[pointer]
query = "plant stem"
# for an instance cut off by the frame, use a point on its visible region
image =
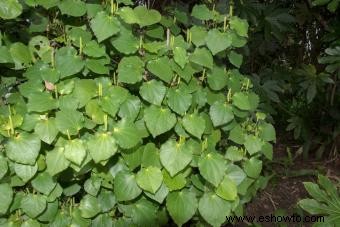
(10, 120)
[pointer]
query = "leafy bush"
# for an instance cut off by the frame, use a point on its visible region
(325, 201)
(114, 114)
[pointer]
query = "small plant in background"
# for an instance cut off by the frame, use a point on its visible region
(325, 201)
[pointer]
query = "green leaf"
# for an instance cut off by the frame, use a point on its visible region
(41, 102)
(10, 9)
(179, 100)
(102, 146)
(227, 189)
(267, 132)
(241, 101)
(253, 144)
(235, 58)
(160, 195)
(93, 49)
(24, 148)
(239, 25)
(56, 161)
(175, 156)
(69, 121)
(212, 167)
(50, 212)
(111, 102)
(130, 70)
(203, 57)
(43, 183)
(217, 41)
(46, 130)
(149, 179)
(237, 135)
(142, 213)
(202, 12)
(194, 124)
(75, 151)
(253, 167)
(6, 197)
(125, 42)
(89, 206)
(214, 209)
(67, 62)
(125, 186)
(180, 56)
(92, 185)
(181, 206)
(104, 26)
(312, 206)
(98, 66)
(140, 15)
(198, 35)
(106, 200)
(234, 154)
(174, 183)
(126, 134)
(217, 78)
(151, 156)
(3, 167)
(159, 120)
(221, 113)
(33, 205)
(25, 172)
(75, 8)
(95, 112)
(20, 54)
(153, 91)
(130, 108)
(160, 67)
(84, 91)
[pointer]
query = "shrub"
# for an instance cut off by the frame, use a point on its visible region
(114, 114)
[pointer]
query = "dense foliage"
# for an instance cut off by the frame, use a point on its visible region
(117, 114)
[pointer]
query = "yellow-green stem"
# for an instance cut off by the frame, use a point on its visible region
(68, 135)
(10, 120)
(105, 122)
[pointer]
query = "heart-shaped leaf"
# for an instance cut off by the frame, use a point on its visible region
(104, 26)
(10, 9)
(214, 209)
(75, 151)
(218, 41)
(33, 205)
(194, 124)
(221, 113)
(161, 68)
(153, 91)
(179, 100)
(159, 120)
(150, 179)
(175, 156)
(46, 130)
(56, 161)
(125, 186)
(182, 206)
(212, 167)
(130, 70)
(24, 148)
(126, 134)
(203, 57)
(102, 146)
